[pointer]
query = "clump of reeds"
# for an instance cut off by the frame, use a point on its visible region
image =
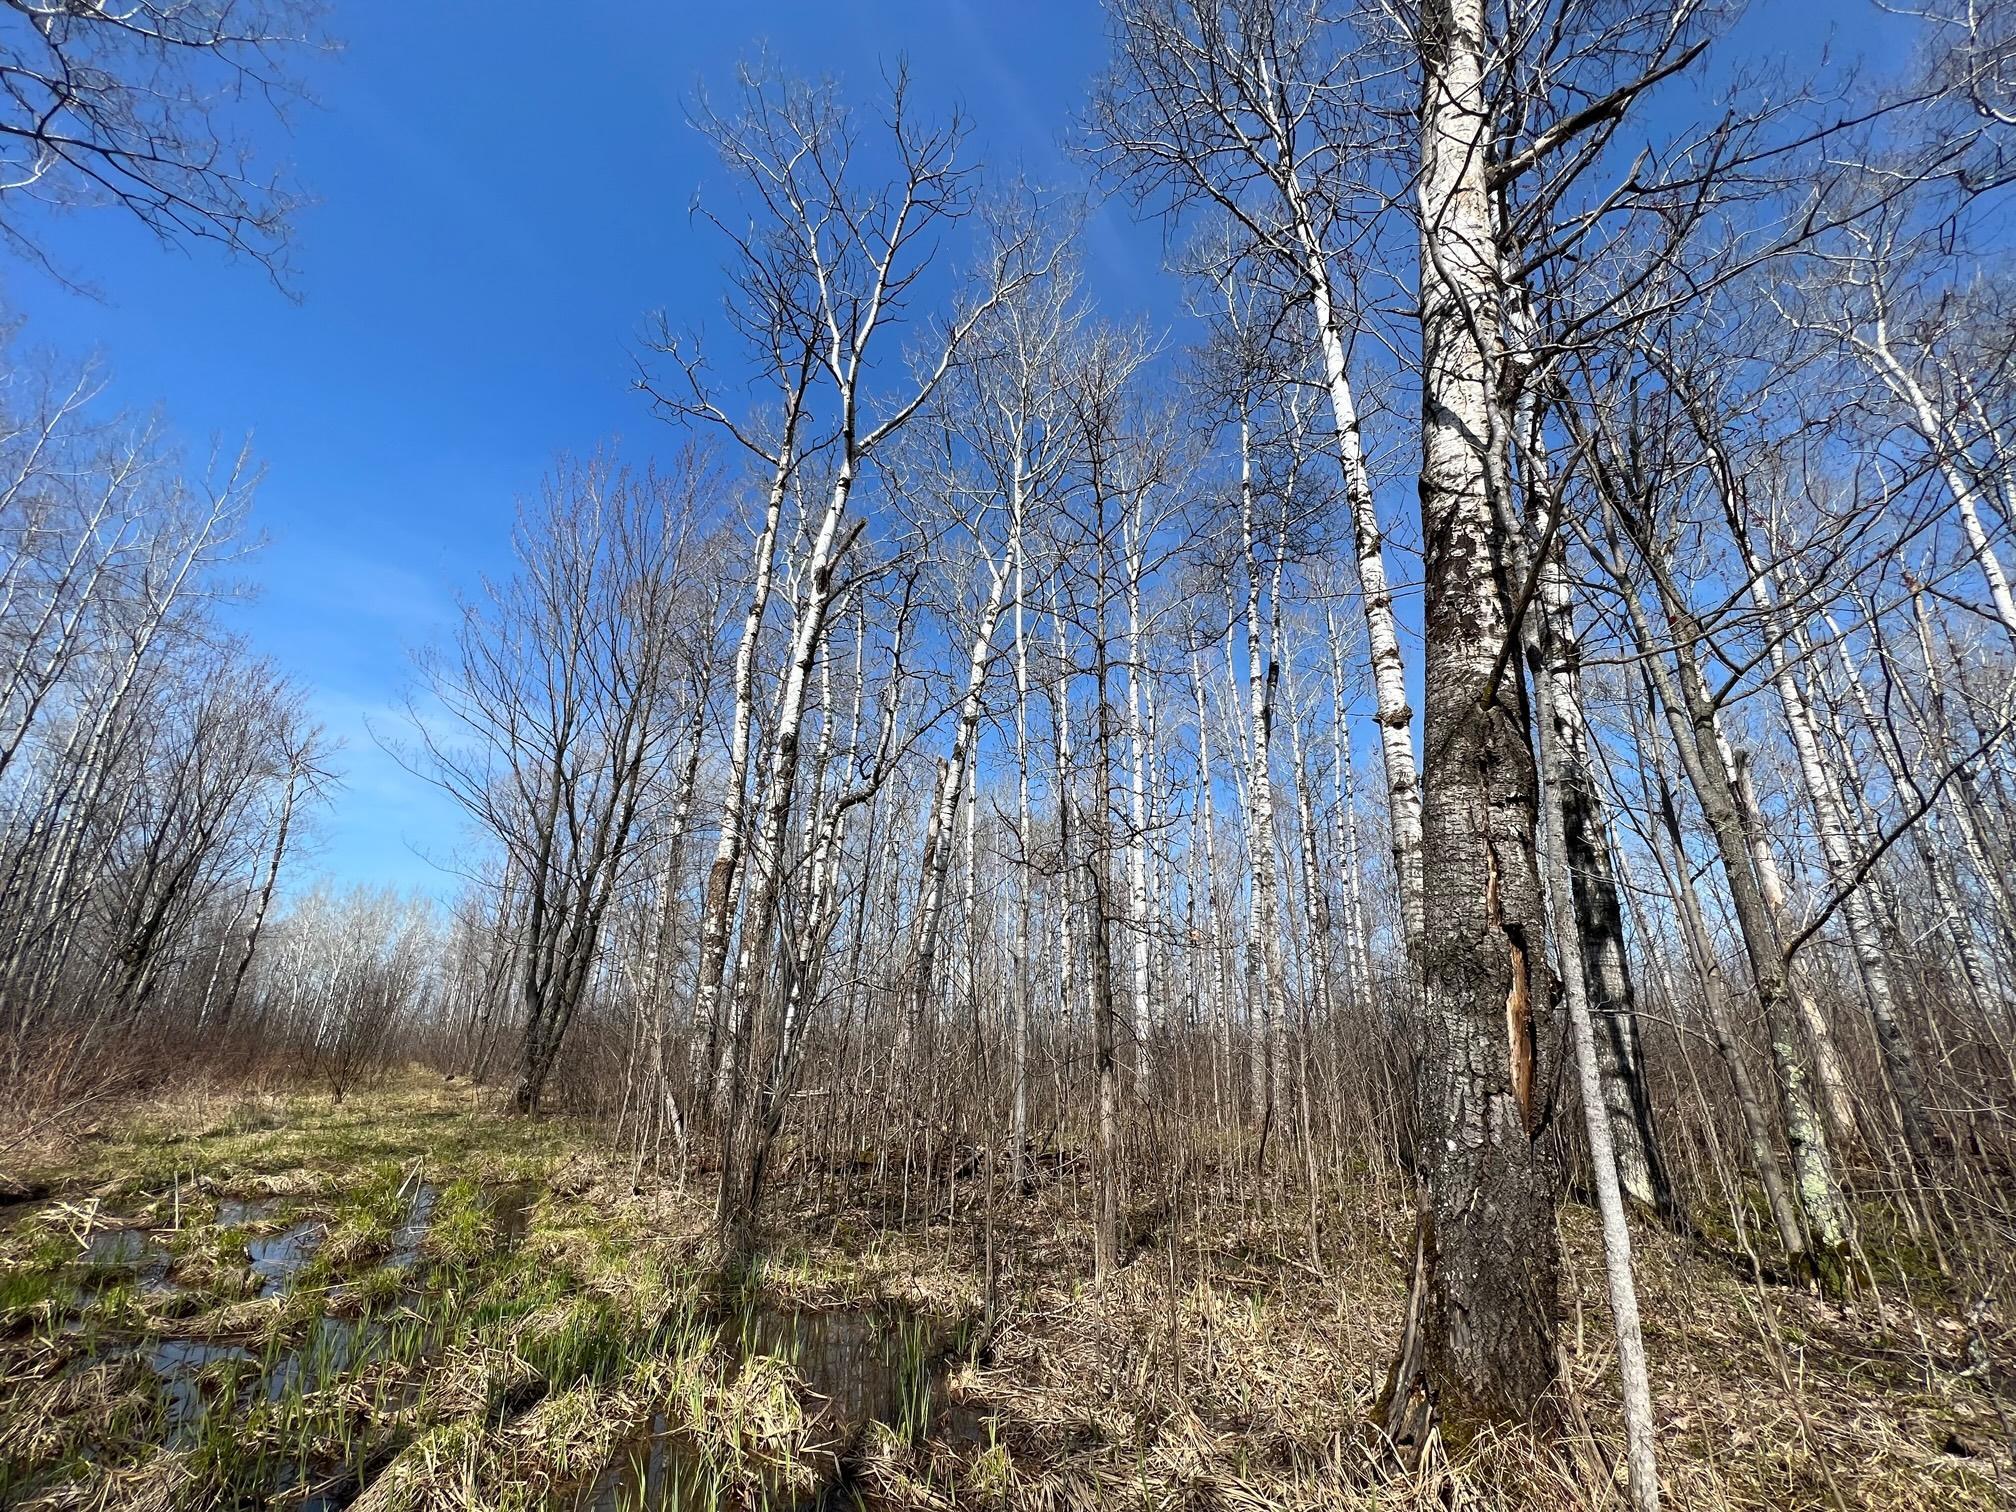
(167, 1480)
(249, 1317)
(55, 1413)
(750, 1427)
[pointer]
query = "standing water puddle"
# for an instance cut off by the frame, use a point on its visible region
(115, 1247)
(412, 1232)
(129, 1249)
(511, 1211)
(856, 1367)
(866, 1366)
(334, 1346)
(180, 1363)
(276, 1257)
(233, 1211)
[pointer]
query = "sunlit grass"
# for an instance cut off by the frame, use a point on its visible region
(402, 1293)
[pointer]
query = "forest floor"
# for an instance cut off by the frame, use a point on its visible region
(408, 1300)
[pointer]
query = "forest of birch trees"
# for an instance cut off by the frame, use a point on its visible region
(1513, 692)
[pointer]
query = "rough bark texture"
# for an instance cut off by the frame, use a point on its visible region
(1492, 1263)
(1599, 922)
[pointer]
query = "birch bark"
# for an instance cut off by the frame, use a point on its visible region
(1492, 1266)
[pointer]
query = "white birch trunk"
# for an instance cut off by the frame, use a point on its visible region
(1137, 809)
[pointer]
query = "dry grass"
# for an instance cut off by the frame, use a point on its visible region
(466, 1463)
(753, 1431)
(1245, 1378)
(1220, 1367)
(748, 1425)
(165, 1482)
(512, 1373)
(63, 1408)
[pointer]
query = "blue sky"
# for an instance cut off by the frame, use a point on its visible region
(503, 192)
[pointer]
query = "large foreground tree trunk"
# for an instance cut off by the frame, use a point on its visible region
(1492, 1267)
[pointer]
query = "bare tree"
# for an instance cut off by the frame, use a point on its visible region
(137, 107)
(1252, 109)
(554, 710)
(836, 257)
